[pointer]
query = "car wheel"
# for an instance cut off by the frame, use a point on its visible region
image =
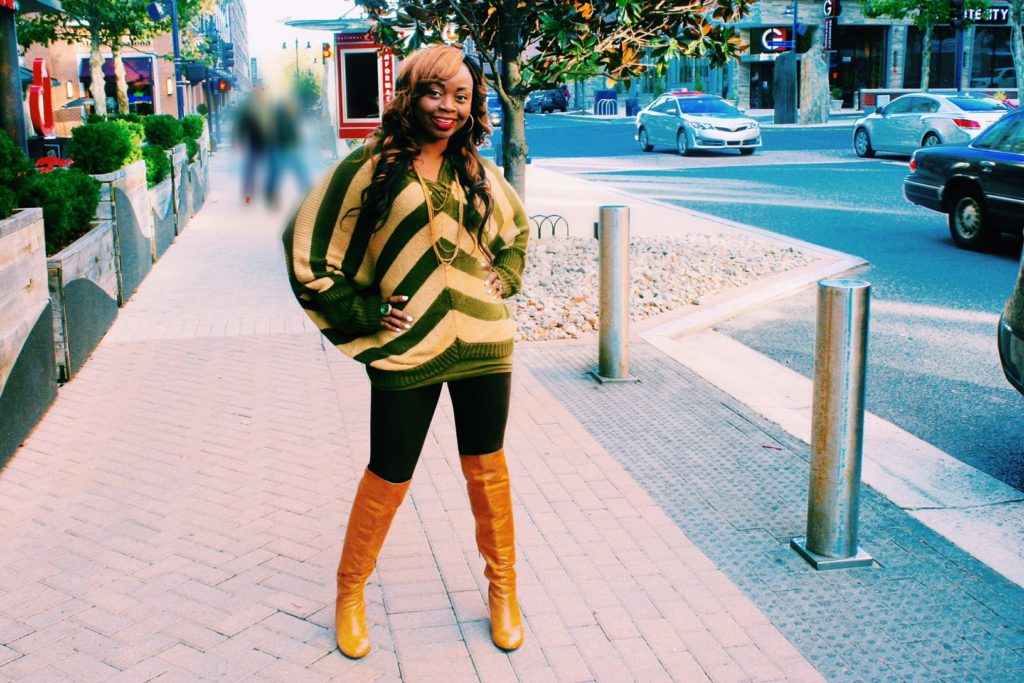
(968, 221)
(931, 140)
(747, 151)
(682, 144)
(645, 141)
(862, 143)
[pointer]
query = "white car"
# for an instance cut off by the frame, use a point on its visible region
(923, 120)
(694, 120)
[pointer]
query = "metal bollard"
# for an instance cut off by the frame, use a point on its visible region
(837, 427)
(613, 340)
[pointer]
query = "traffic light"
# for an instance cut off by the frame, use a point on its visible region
(228, 54)
(325, 50)
(956, 13)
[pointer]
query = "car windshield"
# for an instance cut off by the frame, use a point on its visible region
(977, 104)
(707, 105)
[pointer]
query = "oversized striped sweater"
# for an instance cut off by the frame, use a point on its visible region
(341, 276)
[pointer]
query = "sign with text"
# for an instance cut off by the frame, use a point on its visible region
(989, 15)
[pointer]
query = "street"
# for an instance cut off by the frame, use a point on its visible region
(933, 365)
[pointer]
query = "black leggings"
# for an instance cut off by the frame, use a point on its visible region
(399, 421)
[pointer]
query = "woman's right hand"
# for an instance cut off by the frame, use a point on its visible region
(396, 320)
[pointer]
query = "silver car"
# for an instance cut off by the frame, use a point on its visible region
(694, 120)
(924, 119)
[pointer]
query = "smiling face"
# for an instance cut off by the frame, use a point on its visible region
(444, 107)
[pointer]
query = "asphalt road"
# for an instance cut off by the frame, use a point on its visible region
(933, 364)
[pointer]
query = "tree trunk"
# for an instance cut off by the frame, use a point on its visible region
(98, 86)
(1017, 45)
(926, 57)
(122, 81)
(513, 130)
(814, 94)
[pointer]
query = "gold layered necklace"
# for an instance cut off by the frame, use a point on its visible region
(435, 240)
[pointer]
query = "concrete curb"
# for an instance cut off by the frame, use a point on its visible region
(975, 511)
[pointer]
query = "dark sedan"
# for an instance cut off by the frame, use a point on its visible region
(1011, 334)
(979, 185)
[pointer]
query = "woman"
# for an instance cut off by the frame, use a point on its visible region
(401, 256)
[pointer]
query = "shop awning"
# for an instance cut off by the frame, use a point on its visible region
(26, 77)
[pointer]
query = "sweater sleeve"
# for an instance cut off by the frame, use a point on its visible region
(510, 261)
(318, 245)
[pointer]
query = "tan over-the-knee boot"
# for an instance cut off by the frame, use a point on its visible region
(491, 500)
(372, 511)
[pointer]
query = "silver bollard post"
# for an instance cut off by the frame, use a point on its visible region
(837, 427)
(613, 340)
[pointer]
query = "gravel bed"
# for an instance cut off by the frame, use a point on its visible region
(560, 294)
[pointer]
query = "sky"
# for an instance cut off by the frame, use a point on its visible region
(267, 29)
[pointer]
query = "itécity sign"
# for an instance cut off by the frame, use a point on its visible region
(989, 15)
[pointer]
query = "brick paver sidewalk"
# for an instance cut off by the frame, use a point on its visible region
(178, 514)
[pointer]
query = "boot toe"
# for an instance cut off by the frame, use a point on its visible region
(508, 639)
(354, 648)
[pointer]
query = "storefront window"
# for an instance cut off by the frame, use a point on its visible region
(992, 65)
(943, 64)
(858, 60)
(138, 74)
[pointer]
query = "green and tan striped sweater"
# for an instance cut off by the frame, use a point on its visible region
(341, 277)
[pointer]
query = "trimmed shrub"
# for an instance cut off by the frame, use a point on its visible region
(193, 149)
(105, 146)
(14, 168)
(69, 198)
(193, 125)
(132, 118)
(8, 202)
(158, 165)
(163, 130)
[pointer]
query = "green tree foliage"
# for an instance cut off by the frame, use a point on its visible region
(534, 44)
(103, 23)
(68, 198)
(924, 14)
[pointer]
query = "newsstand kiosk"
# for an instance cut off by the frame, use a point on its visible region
(366, 82)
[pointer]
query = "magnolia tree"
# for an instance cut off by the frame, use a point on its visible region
(102, 23)
(925, 15)
(528, 45)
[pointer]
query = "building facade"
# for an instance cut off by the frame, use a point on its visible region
(870, 53)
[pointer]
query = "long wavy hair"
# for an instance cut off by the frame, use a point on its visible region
(397, 145)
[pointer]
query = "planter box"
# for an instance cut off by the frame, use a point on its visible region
(124, 200)
(28, 377)
(161, 199)
(198, 185)
(83, 289)
(182, 195)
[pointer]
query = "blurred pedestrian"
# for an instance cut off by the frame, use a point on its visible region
(401, 257)
(253, 133)
(286, 155)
